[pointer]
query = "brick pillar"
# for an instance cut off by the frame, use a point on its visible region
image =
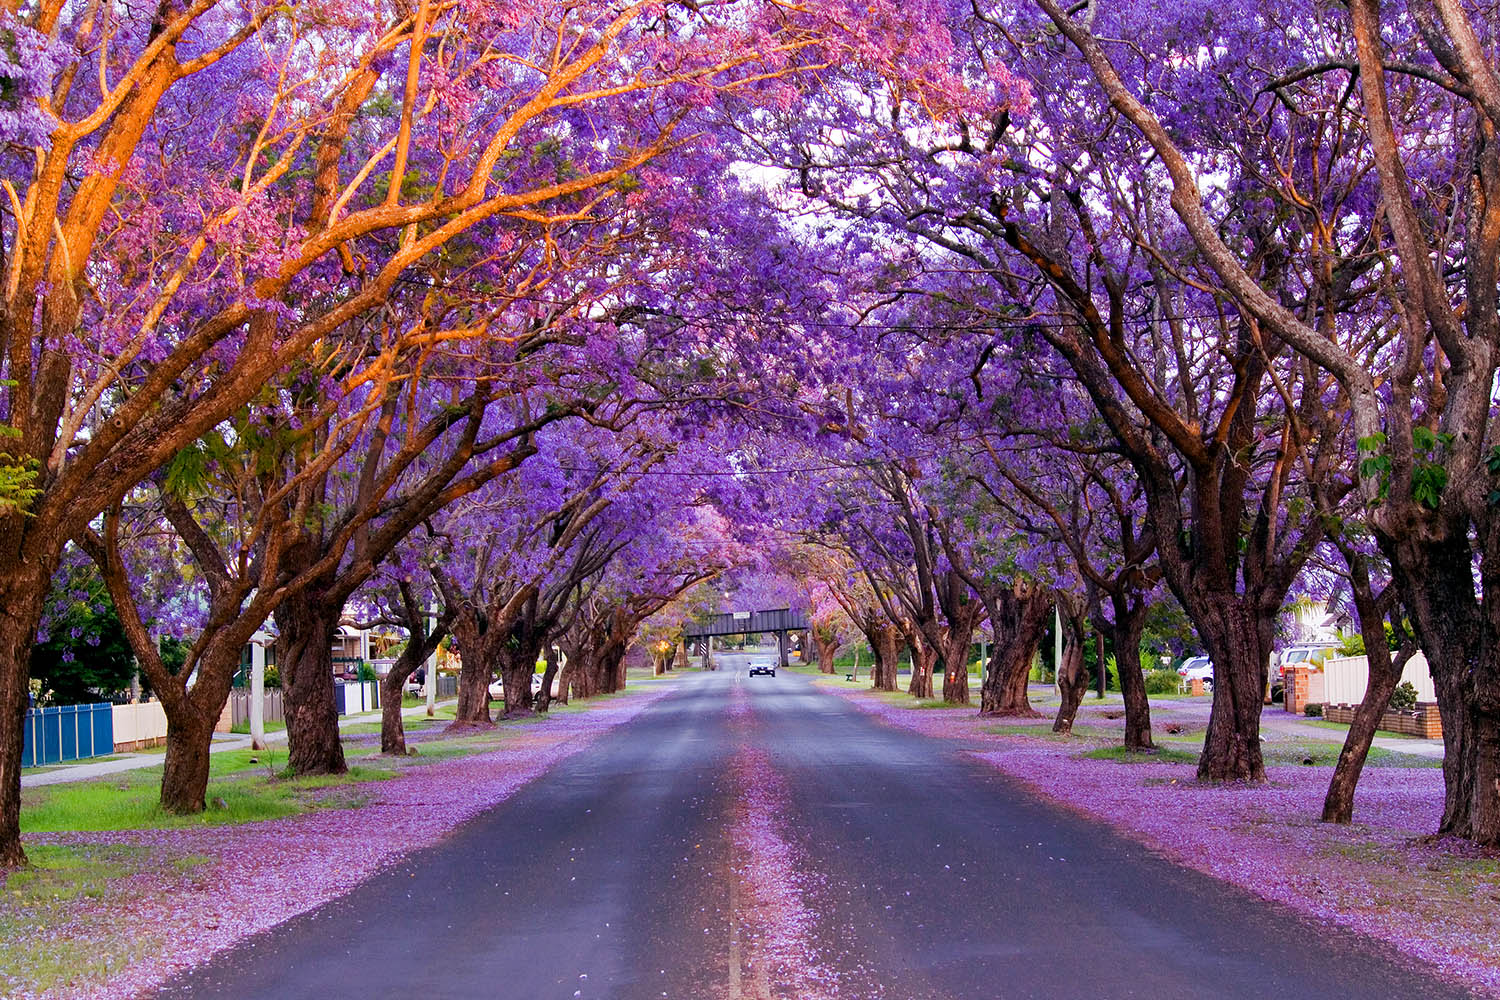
(1296, 682)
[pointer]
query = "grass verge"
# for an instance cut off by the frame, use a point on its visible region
(243, 787)
(51, 938)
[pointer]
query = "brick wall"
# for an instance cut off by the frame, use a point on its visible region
(1424, 722)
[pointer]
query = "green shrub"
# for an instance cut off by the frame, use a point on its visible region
(1404, 698)
(1313, 710)
(273, 677)
(1352, 645)
(1163, 682)
(367, 673)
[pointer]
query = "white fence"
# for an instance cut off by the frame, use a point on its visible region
(1345, 679)
(139, 725)
(355, 698)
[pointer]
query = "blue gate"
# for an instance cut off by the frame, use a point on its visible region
(67, 732)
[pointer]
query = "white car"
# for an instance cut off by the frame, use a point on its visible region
(497, 689)
(1310, 654)
(1197, 668)
(762, 667)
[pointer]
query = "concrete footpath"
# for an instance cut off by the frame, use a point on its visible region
(85, 770)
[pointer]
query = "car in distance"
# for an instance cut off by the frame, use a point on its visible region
(762, 667)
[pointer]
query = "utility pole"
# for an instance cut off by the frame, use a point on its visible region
(432, 666)
(257, 696)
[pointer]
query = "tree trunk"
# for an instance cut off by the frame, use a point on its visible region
(579, 670)
(955, 658)
(826, 648)
(312, 718)
(1125, 635)
(23, 594)
(191, 718)
(1338, 804)
(781, 645)
(617, 671)
(392, 729)
(885, 645)
(1072, 677)
(544, 697)
(517, 668)
(419, 650)
(184, 776)
(1462, 643)
(923, 657)
(1018, 618)
(1238, 641)
(474, 673)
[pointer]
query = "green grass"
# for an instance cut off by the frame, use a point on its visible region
(1163, 755)
(241, 789)
(243, 728)
(45, 896)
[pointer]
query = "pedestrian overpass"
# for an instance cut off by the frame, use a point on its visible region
(778, 621)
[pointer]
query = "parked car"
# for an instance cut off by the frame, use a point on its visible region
(1197, 668)
(1313, 654)
(497, 689)
(762, 667)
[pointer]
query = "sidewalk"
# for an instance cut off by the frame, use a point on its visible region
(85, 771)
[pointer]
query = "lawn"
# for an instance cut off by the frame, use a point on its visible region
(244, 786)
(66, 943)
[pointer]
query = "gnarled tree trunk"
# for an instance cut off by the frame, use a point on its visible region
(827, 646)
(474, 671)
(1238, 639)
(305, 660)
(1018, 617)
(923, 657)
(517, 658)
(885, 647)
(1461, 640)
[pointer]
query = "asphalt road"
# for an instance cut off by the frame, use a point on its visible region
(930, 876)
